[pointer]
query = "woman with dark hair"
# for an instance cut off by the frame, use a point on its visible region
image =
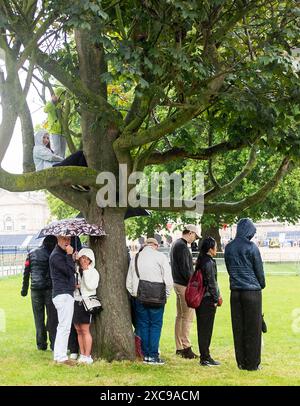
(206, 311)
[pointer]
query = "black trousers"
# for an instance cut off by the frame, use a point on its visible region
(75, 159)
(41, 301)
(246, 318)
(205, 314)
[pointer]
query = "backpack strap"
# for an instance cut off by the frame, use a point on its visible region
(136, 265)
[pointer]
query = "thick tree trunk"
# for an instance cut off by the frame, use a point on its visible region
(211, 229)
(113, 334)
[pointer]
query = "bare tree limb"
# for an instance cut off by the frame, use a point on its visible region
(77, 200)
(237, 207)
(48, 178)
(171, 205)
(203, 154)
(218, 189)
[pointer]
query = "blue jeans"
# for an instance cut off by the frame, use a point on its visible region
(149, 322)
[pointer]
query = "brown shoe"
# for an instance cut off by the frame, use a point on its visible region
(189, 354)
(68, 362)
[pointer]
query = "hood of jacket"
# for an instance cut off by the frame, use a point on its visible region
(88, 253)
(38, 138)
(245, 229)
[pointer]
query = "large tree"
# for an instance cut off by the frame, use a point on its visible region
(177, 61)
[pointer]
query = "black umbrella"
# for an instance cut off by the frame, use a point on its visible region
(136, 211)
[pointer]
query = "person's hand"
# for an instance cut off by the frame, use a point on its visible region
(69, 250)
(220, 301)
(76, 257)
(23, 293)
(77, 286)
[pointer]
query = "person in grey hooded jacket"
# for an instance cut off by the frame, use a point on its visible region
(43, 155)
(246, 275)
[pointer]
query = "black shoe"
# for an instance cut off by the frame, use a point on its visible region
(210, 363)
(188, 353)
(179, 352)
(80, 188)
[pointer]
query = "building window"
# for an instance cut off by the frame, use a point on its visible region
(22, 222)
(8, 224)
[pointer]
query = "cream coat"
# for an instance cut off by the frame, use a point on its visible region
(90, 277)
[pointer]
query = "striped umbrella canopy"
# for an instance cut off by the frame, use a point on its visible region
(73, 227)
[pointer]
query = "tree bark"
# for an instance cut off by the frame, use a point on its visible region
(211, 229)
(112, 333)
(27, 138)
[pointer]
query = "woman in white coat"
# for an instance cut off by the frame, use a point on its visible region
(43, 156)
(86, 285)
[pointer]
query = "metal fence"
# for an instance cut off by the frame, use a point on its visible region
(12, 259)
(281, 262)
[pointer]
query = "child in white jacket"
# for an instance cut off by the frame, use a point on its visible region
(87, 281)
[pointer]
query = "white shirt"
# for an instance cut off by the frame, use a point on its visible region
(153, 266)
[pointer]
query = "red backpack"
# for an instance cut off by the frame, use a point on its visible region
(195, 290)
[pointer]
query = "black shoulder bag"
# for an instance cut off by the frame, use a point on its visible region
(150, 294)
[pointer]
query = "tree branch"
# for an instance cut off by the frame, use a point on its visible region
(77, 200)
(237, 207)
(201, 155)
(129, 141)
(48, 178)
(218, 189)
(75, 85)
(32, 43)
(171, 205)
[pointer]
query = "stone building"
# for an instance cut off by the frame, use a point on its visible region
(21, 215)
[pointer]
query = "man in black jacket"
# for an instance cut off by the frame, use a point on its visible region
(37, 267)
(62, 269)
(182, 270)
(245, 268)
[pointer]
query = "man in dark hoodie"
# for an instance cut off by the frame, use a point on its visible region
(246, 273)
(37, 268)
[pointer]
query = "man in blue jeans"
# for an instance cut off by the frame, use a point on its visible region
(152, 266)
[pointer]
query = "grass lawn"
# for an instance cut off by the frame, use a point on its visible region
(22, 364)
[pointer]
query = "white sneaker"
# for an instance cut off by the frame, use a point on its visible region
(74, 355)
(82, 359)
(89, 360)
